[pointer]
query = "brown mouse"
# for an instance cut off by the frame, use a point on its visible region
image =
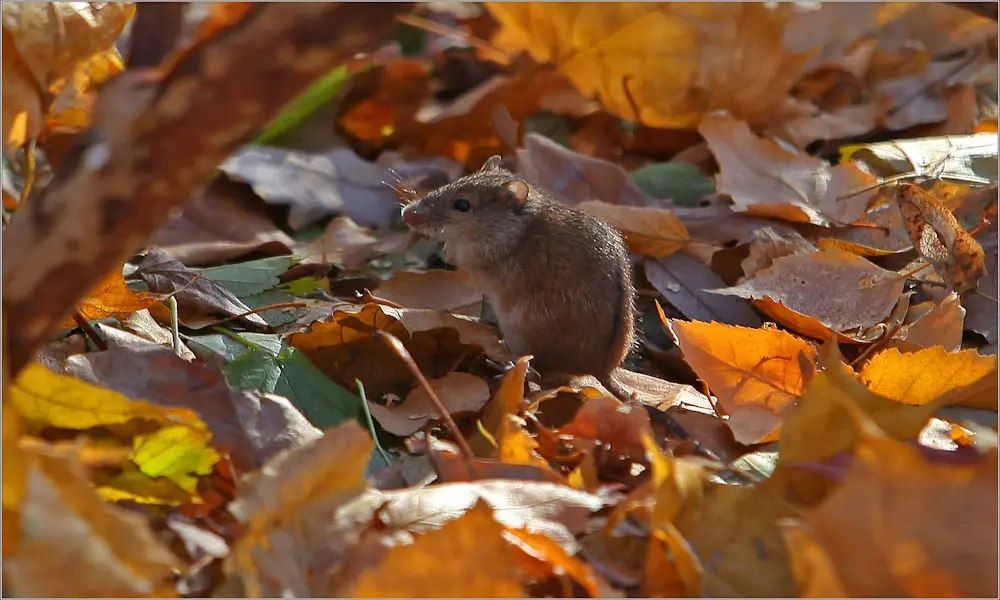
(558, 279)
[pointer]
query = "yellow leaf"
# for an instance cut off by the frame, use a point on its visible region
(49, 399)
(517, 447)
(655, 232)
(14, 476)
(701, 51)
(177, 453)
(757, 374)
(75, 544)
(481, 563)
(921, 377)
(112, 298)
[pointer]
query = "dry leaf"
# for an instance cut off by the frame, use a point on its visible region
(930, 324)
(928, 375)
(480, 563)
(435, 289)
(111, 298)
(689, 285)
(755, 373)
(459, 392)
(53, 55)
(653, 232)
(75, 544)
(766, 179)
(903, 526)
(940, 239)
(840, 290)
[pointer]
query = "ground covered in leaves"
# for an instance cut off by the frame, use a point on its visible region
(249, 401)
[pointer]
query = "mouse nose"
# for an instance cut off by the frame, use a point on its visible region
(413, 216)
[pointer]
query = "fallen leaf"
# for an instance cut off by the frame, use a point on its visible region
(506, 401)
(768, 245)
(701, 69)
(880, 232)
(342, 242)
(251, 427)
(54, 54)
(981, 305)
(688, 285)
(840, 290)
(755, 373)
(436, 289)
(927, 375)
(291, 374)
(545, 559)
(743, 556)
(766, 179)
(458, 392)
(76, 544)
(517, 447)
(930, 324)
(223, 222)
(903, 526)
(577, 178)
(475, 546)
(111, 298)
(653, 232)
(940, 239)
(200, 302)
(609, 421)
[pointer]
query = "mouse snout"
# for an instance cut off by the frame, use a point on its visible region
(414, 216)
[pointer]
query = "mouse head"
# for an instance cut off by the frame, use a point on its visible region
(476, 208)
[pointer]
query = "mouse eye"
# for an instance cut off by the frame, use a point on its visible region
(461, 205)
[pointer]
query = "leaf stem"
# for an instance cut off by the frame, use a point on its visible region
(371, 422)
(240, 339)
(174, 329)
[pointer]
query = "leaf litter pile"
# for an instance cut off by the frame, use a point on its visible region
(230, 370)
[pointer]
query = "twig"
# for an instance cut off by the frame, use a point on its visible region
(30, 171)
(368, 298)
(442, 30)
(240, 339)
(90, 332)
(258, 310)
(397, 346)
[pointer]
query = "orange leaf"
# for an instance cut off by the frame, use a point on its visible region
(112, 298)
(757, 374)
(919, 378)
(467, 558)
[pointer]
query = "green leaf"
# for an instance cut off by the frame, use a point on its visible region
(278, 316)
(969, 158)
(249, 278)
(290, 374)
(229, 348)
(681, 181)
(320, 93)
(302, 286)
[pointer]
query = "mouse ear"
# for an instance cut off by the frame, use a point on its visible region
(492, 164)
(515, 191)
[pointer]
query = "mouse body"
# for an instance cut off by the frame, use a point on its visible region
(558, 279)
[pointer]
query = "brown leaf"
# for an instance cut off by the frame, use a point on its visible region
(609, 421)
(458, 392)
(541, 557)
(940, 239)
(199, 304)
(981, 306)
(841, 290)
(223, 222)
(755, 373)
(764, 178)
(768, 245)
(435, 289)
(75, 544)
(689, 285)
(577, 178)
(474, 547)
(930, 324)
(345, 350)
